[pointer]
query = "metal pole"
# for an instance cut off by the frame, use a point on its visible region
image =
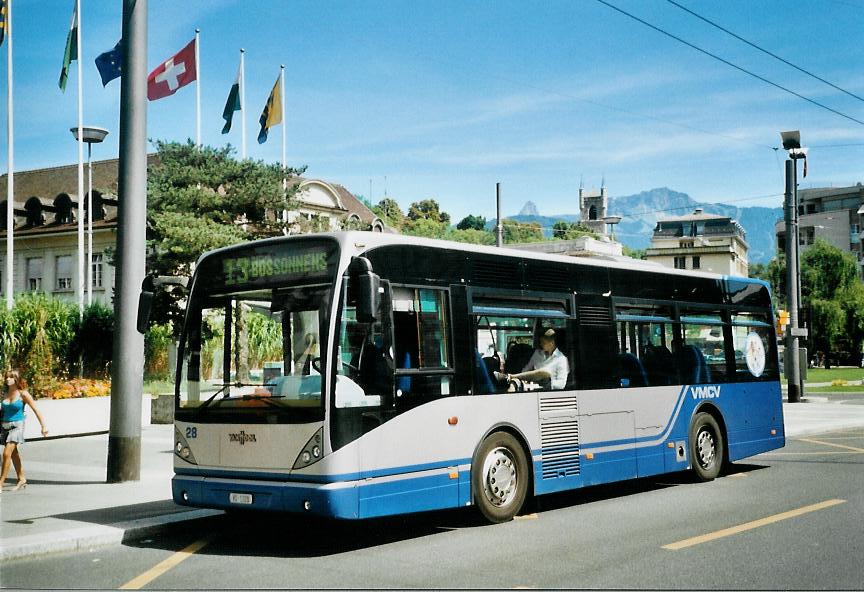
(792, 369)
(197, 89)
(499, 226)
(10, 168)
(242, 105)
(80, 59)
(283, 162)
(124, 437)
(89, 262)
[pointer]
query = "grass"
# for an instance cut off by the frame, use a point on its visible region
(158, 387)
(823, 375)
(835, 389)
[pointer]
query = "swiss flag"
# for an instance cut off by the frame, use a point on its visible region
(178, 70)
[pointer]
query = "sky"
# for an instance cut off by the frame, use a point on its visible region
(444, 99)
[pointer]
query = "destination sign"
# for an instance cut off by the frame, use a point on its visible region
(269, 265)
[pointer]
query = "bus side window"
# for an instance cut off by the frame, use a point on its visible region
(702, 356)
(422, 348)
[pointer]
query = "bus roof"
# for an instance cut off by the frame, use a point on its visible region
(360, 241)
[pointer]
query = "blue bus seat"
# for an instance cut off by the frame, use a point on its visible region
(403, 383)
(485, 386)
(692, 366)
(631, 371)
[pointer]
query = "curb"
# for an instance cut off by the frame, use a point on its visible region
(89, 537)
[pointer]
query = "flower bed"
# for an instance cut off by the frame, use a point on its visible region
(78, 388)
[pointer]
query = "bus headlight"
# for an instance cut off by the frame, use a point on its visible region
(181, 448)
(311, 452)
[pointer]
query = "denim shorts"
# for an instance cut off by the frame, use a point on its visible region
(12, 431)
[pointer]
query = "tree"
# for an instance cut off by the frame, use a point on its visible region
(425, 227)
(571, 230)
(472, 222)
(830, 290)
(634, 253)
(201, 199)
(389, 211)
(427, 209)
(518, 232)
(470, 235)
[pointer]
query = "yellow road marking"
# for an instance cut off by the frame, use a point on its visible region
(719, 534)
(163, 566)
(831, 444)
(806, 453)
(526, 517)
(737, 475)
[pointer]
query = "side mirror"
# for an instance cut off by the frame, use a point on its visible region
(145, 304)
(368, 291)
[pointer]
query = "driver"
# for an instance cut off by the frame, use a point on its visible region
(547, 366)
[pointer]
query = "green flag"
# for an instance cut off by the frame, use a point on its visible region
(71, 48)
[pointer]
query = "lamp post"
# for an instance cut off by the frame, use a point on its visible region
(612, 221)
(90, 135)
(792, 144)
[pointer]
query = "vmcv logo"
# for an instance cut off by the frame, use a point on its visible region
(705, 392)
(241, 438)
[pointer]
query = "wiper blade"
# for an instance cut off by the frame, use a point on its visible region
(213, 396)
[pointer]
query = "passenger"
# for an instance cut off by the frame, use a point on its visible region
(548, 366)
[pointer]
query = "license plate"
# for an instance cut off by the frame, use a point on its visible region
(240, 498)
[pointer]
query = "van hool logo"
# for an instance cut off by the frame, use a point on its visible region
(241, 438)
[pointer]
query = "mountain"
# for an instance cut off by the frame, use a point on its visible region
(640, 212)
(529, 209)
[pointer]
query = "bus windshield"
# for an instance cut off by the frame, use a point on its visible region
(254, 347)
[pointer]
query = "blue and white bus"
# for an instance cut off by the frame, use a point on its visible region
(387, 375)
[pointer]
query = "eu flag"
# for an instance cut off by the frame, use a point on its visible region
(110, 64)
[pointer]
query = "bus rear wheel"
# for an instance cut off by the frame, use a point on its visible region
(499, 477)
(706, 447)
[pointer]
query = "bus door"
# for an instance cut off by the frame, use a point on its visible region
(606, 419)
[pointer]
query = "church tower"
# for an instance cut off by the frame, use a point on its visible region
(592, 207)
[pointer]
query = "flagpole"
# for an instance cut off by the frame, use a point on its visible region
(242, 105)
(80, 287)
(284, 178)
(197, 89)
(282, 91)
(10, 182)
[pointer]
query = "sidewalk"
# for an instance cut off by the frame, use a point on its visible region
(67, 505)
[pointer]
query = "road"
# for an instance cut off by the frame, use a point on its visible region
(790, 519)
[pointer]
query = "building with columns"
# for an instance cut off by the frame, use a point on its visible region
(46, 221)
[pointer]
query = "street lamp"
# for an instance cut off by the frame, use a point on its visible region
(90, 135)
(612, 221)
(792, 144)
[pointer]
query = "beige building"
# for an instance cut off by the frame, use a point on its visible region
(708, 242)
(46, 222)
(833, 214)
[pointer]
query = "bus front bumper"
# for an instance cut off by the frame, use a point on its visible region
(336, 500)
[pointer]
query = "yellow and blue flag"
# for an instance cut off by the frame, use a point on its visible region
(3, 4)
(272, 114)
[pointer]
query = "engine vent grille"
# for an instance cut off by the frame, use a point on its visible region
(595, 316)
(560, 448)
(551, 404)
(495, 273)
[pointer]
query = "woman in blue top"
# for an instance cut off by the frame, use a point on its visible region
(12, 425)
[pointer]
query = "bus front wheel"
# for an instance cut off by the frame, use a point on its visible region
(499, 477)
(706, 447)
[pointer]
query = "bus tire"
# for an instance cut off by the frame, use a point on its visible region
(500, 477)
(707, 448)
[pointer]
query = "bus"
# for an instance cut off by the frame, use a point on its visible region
(355, 375)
